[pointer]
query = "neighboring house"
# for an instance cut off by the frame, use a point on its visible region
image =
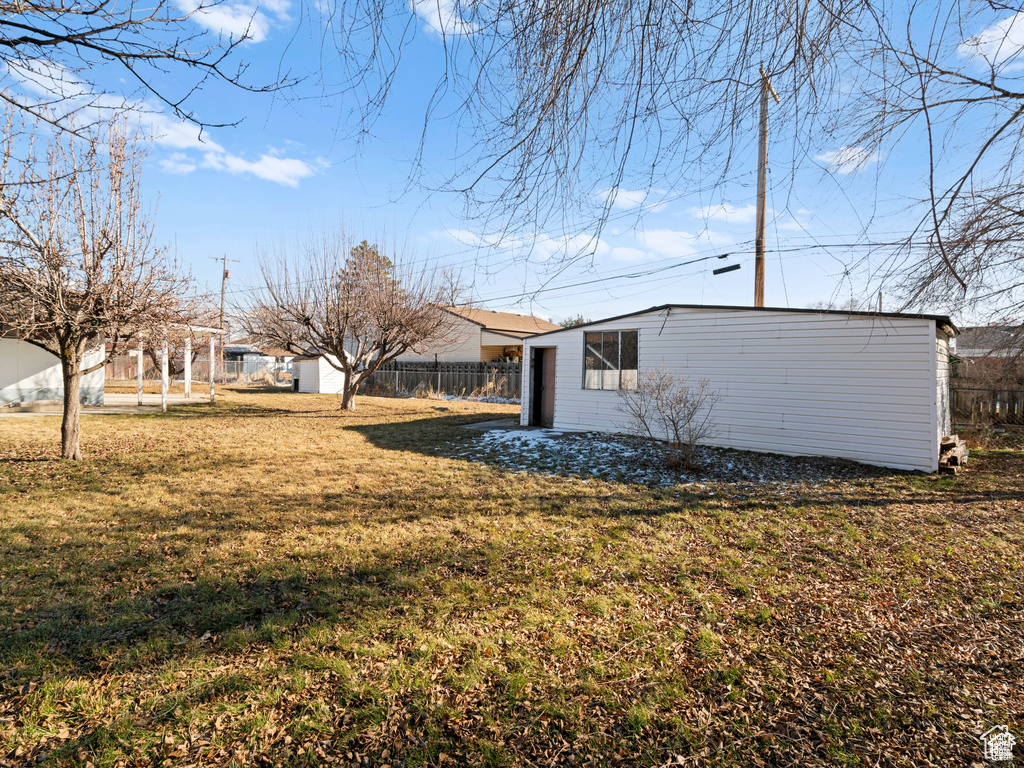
(990, 341)
(867, 386)
(29, 374)
(481, 336)
(255, 357)
(989, 357)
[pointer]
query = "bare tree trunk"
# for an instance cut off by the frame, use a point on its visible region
(70, 427)
(348, 392)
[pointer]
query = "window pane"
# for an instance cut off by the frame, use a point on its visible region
(592, 361)
(610, 352)
(610, 359)
(629, 350)
(629, 359)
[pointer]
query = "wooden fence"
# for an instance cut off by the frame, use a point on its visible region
(975, 406)
(458, 379)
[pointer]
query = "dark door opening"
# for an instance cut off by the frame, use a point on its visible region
(543, 389)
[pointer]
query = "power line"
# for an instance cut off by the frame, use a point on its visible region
(635, 275)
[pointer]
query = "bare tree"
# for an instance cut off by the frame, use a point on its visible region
(569, 101)
(60, 47)
(352, 304)
(78, 266)
(576, 319)
(669, 410)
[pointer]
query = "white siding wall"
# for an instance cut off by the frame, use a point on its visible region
(332, 381)
(318, 376)
(861, 388)
(943, 406)
(462, 345)
(308, 374)
(28, 373)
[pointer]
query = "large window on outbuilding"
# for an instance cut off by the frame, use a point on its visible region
(610, 359)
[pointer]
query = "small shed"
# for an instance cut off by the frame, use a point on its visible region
(867, 386)
(315, 374)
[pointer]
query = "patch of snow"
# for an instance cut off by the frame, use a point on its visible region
(624, 459)
(484, 399)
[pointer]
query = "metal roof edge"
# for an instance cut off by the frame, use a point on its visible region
(940, 320)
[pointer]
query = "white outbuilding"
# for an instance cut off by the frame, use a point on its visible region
(315, 374)
(868, 386)
(31, 374)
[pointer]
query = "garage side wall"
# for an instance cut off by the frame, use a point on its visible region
(30, 374)
(862, 388)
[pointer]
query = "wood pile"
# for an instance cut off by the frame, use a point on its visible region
(953, 454)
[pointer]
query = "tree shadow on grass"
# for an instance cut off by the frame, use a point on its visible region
(110, 626)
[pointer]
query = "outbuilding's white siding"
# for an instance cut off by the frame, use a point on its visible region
(318, 377)
(943, 404)
(29, 374)
(849, 386)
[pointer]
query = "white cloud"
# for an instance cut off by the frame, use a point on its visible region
(236, 20)
(540, 246)
(281, 170)
(44, 79)
(170, 132)
(165, 130)
(623, 253)
(793, 225)
(998, 43)
(725, 212)
(440, 16)
(279, 8)
(668, 242)
(178, 163)
(628, 199)
(846, 160)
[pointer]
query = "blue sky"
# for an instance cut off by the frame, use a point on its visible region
(297, 162)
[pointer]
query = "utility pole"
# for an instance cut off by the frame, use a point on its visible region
(223, 289)
(762, 172)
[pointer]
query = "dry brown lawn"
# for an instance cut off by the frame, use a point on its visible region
(269, 581)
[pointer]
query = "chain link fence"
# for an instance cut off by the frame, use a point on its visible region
(125, 370)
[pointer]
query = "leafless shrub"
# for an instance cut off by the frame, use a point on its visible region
(379, 389)
(676, 414)
(495, 387)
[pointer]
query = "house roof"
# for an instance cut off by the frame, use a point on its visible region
(248, 345)
(505, 323)
(941, 321)
(994, 340)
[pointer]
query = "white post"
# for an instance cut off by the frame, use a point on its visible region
(139, 372)
(163, 375)
(212, 341)
(188, 366)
